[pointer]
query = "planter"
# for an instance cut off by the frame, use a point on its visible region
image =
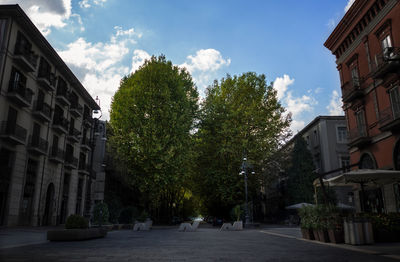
(336, 236)
(307, 233)
(323, 235)
(315, 233)
(76, 234)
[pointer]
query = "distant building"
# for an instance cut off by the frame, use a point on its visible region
(366, 44)
(326, 138)
(46, 128)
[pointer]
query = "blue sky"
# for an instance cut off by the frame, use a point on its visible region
(103, 40)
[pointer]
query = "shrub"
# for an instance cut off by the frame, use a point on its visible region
(100, 213)
(143, 216)
(236, 212)
(128, 215)
(76, 221)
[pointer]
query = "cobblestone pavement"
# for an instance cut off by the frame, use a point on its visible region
(207, 244)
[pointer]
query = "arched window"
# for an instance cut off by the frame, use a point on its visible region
(366, 162)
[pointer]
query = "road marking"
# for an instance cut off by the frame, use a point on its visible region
(342, 246)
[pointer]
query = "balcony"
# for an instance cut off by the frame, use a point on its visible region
(359, 137)
(386, 62)
(70, 161)
(56, 155)
(62, 93)
(389, 118)
(20, 94)
(87, 120)
(48, 81)
(85, 144)
(13, 133)
(38, 145)
(84, 168)
(60, 124)
(76, 109)
(42, 111)
(352, 90)
(25, 58)
(73, 134)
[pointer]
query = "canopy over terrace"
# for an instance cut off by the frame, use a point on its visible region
(362, 177)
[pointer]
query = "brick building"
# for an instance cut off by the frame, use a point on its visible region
(45, 131)
(366, 44)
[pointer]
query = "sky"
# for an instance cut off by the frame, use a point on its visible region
(104, 40)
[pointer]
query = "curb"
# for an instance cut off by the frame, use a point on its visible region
(342, 246)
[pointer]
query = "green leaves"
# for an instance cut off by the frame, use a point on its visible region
(152, 115)
(240, 114)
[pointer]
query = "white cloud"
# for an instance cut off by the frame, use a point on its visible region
(281, 85)
(45, 14)
(89, 3)
(318, 90)
(138, 58)
(206, 60)
(335, 105)
(204, 67)
(297, 106)
(349, 4)
(99, 65)
(331, 24)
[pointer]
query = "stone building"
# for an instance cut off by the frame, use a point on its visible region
(366, 44)
(46, 128)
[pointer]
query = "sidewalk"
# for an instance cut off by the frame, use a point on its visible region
(23, 236)
(391, 250)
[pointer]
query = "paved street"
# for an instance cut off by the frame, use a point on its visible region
(207, 244)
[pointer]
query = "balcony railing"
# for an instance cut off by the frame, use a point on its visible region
(47, 80)
(62, 92)
(359, 136)
(42, 110)
(386, 62)
(25, 57)
(83, 167)
(19, 93)
(13, 132)
(87, 120)
(74, 134)
(56, 155)
(60, 123)
(71, 161)
(38, 144)
(76, 108)
(389, 118)
(352, 90)
(85, 143)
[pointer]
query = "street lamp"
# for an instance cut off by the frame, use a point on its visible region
(244, 170)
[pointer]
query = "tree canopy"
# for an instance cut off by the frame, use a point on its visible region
(240, 116)
(153, 115)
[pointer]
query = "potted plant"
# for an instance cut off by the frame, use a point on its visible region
(335, 228)
(321, 223)
(306, 224)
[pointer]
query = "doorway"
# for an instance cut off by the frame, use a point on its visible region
(48, 210)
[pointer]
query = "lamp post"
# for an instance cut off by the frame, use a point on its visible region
(244, 170)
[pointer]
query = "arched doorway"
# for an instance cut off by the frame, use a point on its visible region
(48, 210)
(367, 162)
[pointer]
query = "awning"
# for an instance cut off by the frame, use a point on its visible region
(298, 206)
(362, 176)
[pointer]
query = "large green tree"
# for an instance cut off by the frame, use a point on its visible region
(240, 116)
(153, 115)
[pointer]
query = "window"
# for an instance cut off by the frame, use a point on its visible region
(362, 131)
(344, 161)
(17, 80)
(354, 76)
(394, 95)
(341, 134)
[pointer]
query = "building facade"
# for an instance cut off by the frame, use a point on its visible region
(45, 128)
(326, 138)
(366, 44)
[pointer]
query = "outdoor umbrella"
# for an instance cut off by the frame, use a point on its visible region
(298, 206)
